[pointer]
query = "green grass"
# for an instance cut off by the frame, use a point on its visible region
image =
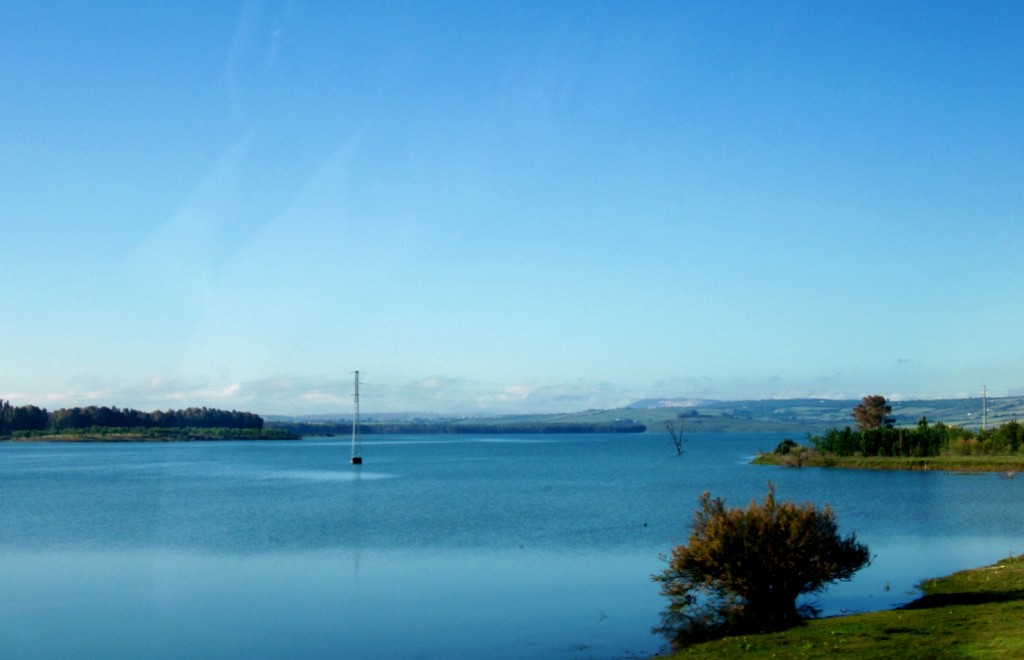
(977, 613)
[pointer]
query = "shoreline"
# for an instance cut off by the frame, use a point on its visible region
(100, 438)
(1008, 465)
(970, 613)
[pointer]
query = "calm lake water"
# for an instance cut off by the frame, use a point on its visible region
(436, 547)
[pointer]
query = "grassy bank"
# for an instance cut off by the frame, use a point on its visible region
(951, 463)
(974, 613)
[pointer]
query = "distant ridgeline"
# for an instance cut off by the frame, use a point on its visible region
(32, 421)
(460, 427)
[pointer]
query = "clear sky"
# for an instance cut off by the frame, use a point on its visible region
(521, 206)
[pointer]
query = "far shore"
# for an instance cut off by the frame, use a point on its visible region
(142, 437)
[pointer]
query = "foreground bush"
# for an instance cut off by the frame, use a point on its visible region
(743, 569)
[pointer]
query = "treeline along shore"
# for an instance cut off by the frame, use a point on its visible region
(922, 447)
(105, 423)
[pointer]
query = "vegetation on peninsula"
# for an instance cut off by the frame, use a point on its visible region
(877, 443)
(111, 424)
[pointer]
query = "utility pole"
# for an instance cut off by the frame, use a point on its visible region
(984, 407)
(357, 459)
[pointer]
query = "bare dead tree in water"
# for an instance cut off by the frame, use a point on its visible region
(677, 437)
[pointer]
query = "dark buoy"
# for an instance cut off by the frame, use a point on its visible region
(357, 460)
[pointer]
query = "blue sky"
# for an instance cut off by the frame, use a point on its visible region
(509, 207)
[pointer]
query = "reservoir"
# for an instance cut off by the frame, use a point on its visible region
(537, 546)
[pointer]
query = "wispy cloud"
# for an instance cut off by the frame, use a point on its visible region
(434, 394)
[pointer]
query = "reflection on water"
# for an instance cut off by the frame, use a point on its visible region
(328, 475)
(455, 547)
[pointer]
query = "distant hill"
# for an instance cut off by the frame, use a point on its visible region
(701, 415)
(816, 415)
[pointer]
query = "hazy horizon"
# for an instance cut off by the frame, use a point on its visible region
(484, 406)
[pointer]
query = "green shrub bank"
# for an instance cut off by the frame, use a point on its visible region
(975, 613)
(923, 440)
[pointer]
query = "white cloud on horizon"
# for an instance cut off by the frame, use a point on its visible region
(435, 394)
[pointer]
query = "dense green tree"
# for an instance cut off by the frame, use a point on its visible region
(32, 418)
(920, 441)
(1012, 434)
(743, 569)
(21, 418)
(872, 413)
